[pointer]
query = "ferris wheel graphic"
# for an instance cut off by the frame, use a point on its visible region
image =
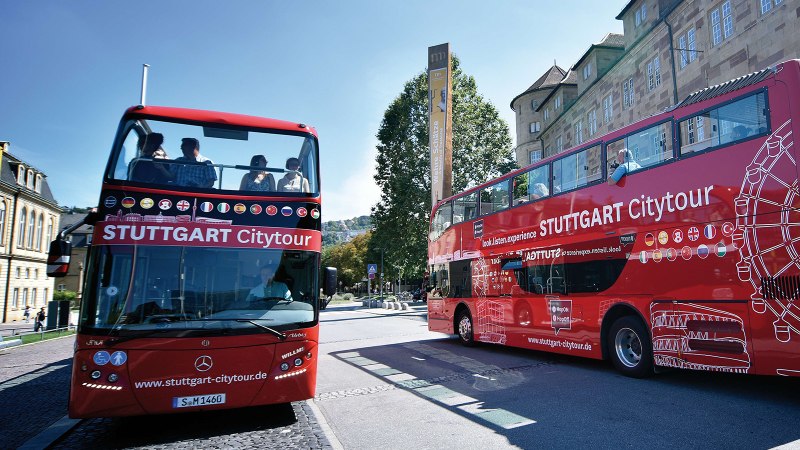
(769, 243)
(480, 277)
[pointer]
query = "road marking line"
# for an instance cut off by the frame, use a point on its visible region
(50, 434)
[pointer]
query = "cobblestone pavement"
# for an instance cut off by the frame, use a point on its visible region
(291, 426)
(34, 383)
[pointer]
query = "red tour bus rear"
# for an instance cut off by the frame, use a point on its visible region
(203, 275)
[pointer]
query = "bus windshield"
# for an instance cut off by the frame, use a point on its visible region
(164, 288)
(212, 156)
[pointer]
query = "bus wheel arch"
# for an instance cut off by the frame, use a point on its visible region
(464, 326)
(626, 340)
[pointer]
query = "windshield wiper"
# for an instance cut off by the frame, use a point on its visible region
(116, 339)
(272, 331)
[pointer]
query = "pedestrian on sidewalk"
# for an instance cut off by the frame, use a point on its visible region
(27, 313)
(40, 316)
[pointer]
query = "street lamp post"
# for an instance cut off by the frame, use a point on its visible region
(381, 249)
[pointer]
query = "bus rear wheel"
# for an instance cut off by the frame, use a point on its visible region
(465, 328)
(630, 347)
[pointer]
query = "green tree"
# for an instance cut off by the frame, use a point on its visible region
(349, 258)
(481, 151)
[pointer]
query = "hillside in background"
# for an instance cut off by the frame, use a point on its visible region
(338, 231)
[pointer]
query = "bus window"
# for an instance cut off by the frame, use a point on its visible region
(441, 220)
(648, 147)
(494, 198)
(531, 185)
(461, 280)
(577, 169)
(465, 207)
(733, 122)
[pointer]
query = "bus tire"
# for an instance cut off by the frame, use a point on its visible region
(465, 328)
(630, 347)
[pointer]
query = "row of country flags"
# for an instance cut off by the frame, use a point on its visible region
(206, 207)
(670, 254)
(692, 234)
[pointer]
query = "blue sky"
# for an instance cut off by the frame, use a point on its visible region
(70, 68)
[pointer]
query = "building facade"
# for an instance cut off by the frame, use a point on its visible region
(29, 220)
(669, 49)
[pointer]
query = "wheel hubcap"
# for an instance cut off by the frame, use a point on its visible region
(628, 347)
(465, 328)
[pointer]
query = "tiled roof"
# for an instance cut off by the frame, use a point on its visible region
(551, 78)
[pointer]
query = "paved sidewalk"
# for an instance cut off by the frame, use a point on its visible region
(34, 382)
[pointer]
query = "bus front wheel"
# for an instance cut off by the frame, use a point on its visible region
(465, 328)
(630, 347)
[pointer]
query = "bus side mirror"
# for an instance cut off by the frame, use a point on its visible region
(329, 282)
(58, 258)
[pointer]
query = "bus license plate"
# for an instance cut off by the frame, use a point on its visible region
(198, 400)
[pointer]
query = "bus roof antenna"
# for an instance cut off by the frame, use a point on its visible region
(144, 83)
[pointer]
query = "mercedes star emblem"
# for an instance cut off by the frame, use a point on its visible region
(203, 363)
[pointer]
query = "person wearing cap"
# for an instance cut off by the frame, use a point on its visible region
(194, 170)
(626, 165)
(293, 181)
(257, 180)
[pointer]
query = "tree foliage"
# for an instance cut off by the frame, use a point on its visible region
(349, 258)
(481, 151)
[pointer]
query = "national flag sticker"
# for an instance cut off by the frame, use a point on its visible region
(255, 209)
(686, 253)
(643, 256)
(287, 211)
(702, 251)
(657, 255)
(239, 208)
(110, 202)
(649, 240)
(272, 210)
(128, 202)
(677, 236)
(663, 237)
(710, 231)
(315, 214)
(672, 254)
(164, 204)
(722, 249)
(693, 234)
(727, 229)
(301, 212)
(146, 203)
(182, 205)
(206, 207)
(223, 207)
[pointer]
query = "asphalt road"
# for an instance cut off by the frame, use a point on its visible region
(386, 382)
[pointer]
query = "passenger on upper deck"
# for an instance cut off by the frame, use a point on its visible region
(144, 168)
(293, 181)
(539, 191)
(193, 174)
(257, 180)
(626, 164)
(739, 132)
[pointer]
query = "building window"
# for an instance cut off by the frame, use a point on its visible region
(534, 105)
(61, 287)
(35, 274)
(21, 174)
(44, 295)
(608, 109)
(579, 132)
(17, 272)
(28, 273)
(766, 5)
(628, 95)
(534, 156)
(559, 144)
(38, 185)
(653, 74)
(587, 70)
(15, 298)
(641, 15)
(29, 181)
(50, 236)
(591, 120)
(687, 48)
(535, 127)
(21, 230)
(546, 113)
(2, 221)
(31, 225)
(557, 103)
(33, 296)
(39, 225)
(25, 296)
(721, 23)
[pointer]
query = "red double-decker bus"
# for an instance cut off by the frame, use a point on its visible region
(689, 260)
(203, 276)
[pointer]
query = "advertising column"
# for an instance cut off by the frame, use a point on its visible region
(440, 122)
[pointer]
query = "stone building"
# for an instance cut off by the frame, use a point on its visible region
(669, 49)
(29, 219)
